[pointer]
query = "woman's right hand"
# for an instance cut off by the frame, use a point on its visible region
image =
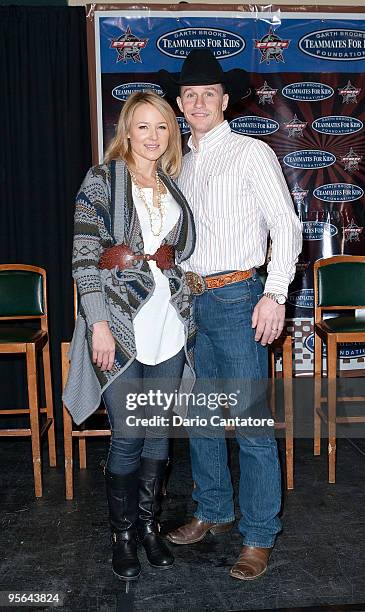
(103, 346)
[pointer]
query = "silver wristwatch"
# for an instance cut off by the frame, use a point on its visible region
(277, 297)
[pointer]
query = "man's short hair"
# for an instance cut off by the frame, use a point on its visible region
(224, 89)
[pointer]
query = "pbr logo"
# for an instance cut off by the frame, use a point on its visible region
(351, 161)
(352, 232)
(271, 47)
(299, 195)
(338, 192)
(266, 94)
(121, 92)
(317, 230)
(307, 92)
(295, 127)
(183, 125)
(304, 298)
(337, 125)
(128, 47)
(307, 159)
(179, 43)
(349, 93)
(334, 44)
(252, 125)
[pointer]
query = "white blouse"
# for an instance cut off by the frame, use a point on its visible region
(159, 332)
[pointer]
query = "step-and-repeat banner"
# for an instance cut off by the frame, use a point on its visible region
(306, 101)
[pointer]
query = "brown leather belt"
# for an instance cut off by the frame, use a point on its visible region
(122, 256)
(198, 284)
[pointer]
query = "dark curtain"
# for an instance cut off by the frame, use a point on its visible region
(44, 153)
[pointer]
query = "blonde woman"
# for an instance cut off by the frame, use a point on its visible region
(134, 330)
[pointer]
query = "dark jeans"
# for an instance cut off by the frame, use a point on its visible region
(226, 350)
(129, 443)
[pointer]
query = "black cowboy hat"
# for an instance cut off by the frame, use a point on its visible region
(202, 68)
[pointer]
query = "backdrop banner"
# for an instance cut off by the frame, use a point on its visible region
(306, 100)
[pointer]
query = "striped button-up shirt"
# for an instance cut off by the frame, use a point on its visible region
(238, 195)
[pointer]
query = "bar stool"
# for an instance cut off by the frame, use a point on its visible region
(23, 297)
(339, 285)
(284, 344)
(70, 430)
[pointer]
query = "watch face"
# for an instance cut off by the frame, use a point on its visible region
(281, 299)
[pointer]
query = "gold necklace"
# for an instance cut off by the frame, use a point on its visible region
(152, 214)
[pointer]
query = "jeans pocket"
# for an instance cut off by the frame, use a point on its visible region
(232, 294)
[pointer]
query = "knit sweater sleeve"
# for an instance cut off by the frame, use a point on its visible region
(91, 199)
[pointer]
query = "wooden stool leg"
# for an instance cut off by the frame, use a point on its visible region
(82, 453)
(67, 440)
(272, 388)
(34, 417)
(317, 393)
(332, 397)
(49, 404)
(288, 409)
(67, 427)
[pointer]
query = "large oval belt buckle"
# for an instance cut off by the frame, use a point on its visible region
(195, 283)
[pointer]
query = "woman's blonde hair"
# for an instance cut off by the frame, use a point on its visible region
(119, 147)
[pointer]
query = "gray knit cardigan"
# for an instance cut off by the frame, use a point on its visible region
(105, 215)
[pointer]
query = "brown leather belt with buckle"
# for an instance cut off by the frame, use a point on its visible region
(122, 256)
(198, 284)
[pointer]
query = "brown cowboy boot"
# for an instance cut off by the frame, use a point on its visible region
(251, 563)
(196, 530)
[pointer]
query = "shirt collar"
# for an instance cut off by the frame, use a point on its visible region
(211, 139)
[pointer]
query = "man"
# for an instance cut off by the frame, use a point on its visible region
(238, 195)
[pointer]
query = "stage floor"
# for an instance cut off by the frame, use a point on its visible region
(51, 545)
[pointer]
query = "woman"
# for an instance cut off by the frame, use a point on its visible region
(134, 328)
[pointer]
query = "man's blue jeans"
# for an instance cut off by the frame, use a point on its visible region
(226, 349)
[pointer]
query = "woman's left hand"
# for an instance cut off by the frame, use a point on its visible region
(103, 346)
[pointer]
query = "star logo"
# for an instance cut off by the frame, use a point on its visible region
(295, 127)
(351, 161)
(271, 47)
(299, 194)
(349, 93)
(352, 232)
(266, 94)
(128, 47)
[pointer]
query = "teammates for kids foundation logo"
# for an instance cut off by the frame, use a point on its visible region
(179, 43)
(335, 44)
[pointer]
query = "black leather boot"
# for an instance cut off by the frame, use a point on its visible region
(122, 494)
(151, 477)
